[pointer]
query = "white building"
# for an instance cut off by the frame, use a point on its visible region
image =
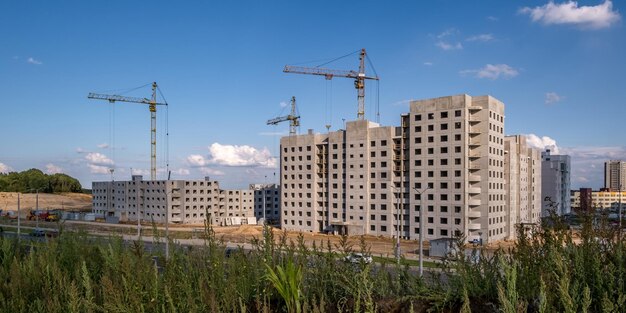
(188, 201)
(555, 181)
(447, 155)
(523, 177)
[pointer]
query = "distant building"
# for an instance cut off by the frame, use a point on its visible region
(555, 182)
(588, 200)
(615, 175)
(271, 204)
(188, 201)
(523, 181)
(446, 158)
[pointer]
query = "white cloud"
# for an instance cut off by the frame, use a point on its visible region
(481, 37)
(592, 17)
(80, 150)
(493, 71)
(103, 145)
(33, 61)
(448, 46)
(98, 169)
(492, 18)
(447, 32)
(181, 172)
(53, 169)
(233, 155)
(197, 160)
(428, 63)
(5, 168)
(542, 143)
(140, 171)
(98, 159)
(588, 164)
(283, 104)
(211, 171)
(553, 97)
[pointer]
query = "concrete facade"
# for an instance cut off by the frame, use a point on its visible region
(447, 155)
(188, 201)
(271, 192)
(523, 181)
(615, 175)
(555, 178)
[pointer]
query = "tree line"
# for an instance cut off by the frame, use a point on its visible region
(34, 179)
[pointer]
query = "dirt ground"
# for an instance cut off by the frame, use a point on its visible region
(65, 201)
(378, 245)
(381, 246)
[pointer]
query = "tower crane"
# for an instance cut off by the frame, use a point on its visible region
(359, 78)
(151, 106)
(294, 120)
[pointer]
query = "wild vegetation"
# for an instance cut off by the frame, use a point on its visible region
(34, 179)
(545, 272)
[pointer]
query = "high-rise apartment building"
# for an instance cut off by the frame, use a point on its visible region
(615, 175)
(555, 182)
(188, 201)
(523, 181)
(446, 157)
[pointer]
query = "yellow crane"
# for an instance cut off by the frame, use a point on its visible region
(359, 78)
(152, 103)
(294, 120)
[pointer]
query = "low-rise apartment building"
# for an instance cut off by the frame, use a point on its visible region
(187, 201)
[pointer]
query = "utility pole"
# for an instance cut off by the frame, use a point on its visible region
(264, 195)
(167, 221)
(421, 234)
(18, 218)
(37, 208)
(620, 207)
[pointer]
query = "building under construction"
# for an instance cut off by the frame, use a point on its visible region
(187, 201)
(446, 159)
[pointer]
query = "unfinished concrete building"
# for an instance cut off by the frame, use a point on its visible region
(447, 155)
(271, 203)
(556, 182)
(523, 181)
(188, 201)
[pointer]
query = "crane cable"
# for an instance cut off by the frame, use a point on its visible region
(339, 58)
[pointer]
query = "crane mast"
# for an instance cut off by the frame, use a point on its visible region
(359, 78)
(294, 120)
(152, 103)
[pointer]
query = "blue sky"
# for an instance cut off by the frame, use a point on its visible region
(557, 66)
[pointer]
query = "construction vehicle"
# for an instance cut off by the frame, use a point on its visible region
(293, 118)
(359, 78)
(42, 216)
(151, 106)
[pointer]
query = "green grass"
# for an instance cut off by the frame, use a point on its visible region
(545, 272)
(409, 262)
